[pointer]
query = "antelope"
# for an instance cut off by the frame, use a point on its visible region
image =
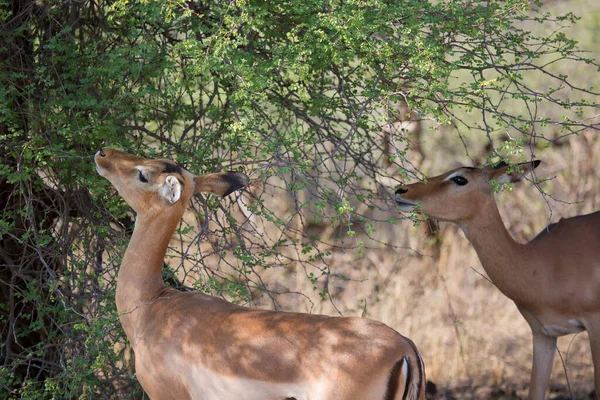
(554, 280)
(189, 345)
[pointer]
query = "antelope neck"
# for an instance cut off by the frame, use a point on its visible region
(140, 276)
(505, 260)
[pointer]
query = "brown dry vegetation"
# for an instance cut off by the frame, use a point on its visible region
(469, 333)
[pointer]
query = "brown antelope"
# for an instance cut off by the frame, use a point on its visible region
(554, 280)
(189, 345)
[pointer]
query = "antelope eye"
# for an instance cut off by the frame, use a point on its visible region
(459, 180)
(142, 178)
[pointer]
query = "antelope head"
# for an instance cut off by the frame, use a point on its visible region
(458, 194)
(159, 185)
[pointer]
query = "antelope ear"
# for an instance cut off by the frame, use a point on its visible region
(220, 183)
(504, 173)
(171, 190)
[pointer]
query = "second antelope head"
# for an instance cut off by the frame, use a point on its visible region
(457, 194)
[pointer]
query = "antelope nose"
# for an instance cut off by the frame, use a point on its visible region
(101, 153)
(401, 190)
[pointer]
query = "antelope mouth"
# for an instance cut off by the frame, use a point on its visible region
(99, 155)
(404, 205)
